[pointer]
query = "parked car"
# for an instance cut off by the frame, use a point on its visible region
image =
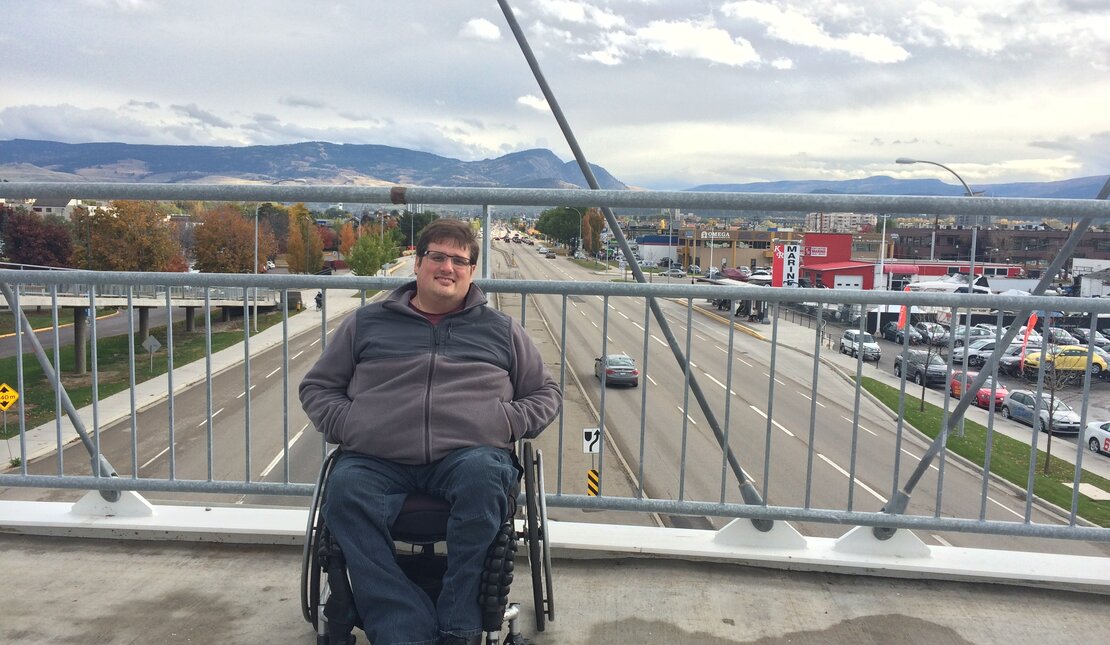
(694, 269)
(973, 333)
(923, 367)
(983, 396)
(619, 369)
(977, 352)
(674, 273)
(1060, 336)
(890, 332)
(1084, 337)
(1097, 436)
(933, 333)
(1071, 358)
(1034, 337)
(1013, 357)
(1020, 404)
(854, 343)
(713, 272)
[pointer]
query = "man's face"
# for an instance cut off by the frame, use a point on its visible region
(442, 286)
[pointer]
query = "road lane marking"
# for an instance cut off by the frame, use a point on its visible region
(687, 416)
(273, 372)
(773, 422)
(857, 481)
(313, 343)
(277, 459)
(594, 324)
(859, 426)
(652, 380)
(941, 540)
(744, 362)
(810, 399)
(1003, 506)
(623, 316)
(638, 326)
(242, 393)
(910, 454)
(663, 343)
(205, 422)
(710, 377)
(155, 457)
(776, 380)
(294, 356)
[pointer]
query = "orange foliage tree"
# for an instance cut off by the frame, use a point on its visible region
(225, 242)
(305, 249)
(125, 236)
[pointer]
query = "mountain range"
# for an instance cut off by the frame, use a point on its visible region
(318, 162)
(376, 165)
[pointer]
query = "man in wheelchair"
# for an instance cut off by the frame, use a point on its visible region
(425, 392)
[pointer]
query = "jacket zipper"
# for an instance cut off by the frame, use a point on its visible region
(428, 397)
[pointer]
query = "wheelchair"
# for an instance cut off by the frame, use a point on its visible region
(326, 599)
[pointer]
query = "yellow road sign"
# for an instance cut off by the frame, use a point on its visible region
(591, 482)
(8, 397)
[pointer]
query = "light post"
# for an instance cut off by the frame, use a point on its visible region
(974, 223)
(256, 267)
(882, 254)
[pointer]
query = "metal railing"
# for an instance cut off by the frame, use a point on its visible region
(798, 426)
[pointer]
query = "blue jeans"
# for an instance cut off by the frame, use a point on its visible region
(364, 496)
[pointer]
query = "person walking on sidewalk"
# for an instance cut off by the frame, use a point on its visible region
(426, 392)
(319, 300)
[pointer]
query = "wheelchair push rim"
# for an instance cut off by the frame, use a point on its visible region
(310, 564)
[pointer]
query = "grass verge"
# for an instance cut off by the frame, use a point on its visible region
(1009, 457)
(43, 319)
(112, 367)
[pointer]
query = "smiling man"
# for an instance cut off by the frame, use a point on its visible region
(425, 392)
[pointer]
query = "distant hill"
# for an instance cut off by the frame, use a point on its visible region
(1081, 188)
(368, 165)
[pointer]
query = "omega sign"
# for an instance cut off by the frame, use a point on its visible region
(715, 235)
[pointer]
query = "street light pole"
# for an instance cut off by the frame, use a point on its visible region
(974, 222)
(256, 267)
(882, 255)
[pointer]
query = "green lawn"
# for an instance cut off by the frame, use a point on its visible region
(40, 319)
(112, 361)
(1009, 458)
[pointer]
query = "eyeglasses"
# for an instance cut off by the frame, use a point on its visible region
(457, 261)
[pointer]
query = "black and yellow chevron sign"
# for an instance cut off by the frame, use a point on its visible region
(591, 482)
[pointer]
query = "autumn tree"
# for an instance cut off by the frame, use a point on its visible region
(305, 249)
(592, 224)
(225, 242)
(29, 238)
(276, 217)
(125, 236)
(411, 224)
(347, 239)
(329, 239)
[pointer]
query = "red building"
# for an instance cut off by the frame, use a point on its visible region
(827, 262)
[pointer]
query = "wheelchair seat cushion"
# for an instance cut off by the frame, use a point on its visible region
(422, 520)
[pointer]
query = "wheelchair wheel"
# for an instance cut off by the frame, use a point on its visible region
(537, 559)
(310, 558)
(548, 585)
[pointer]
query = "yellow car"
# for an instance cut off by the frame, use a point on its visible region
(1065, 357)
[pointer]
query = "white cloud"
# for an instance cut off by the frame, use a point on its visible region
(796, 28)
(480, 29)
(534, 102)
(581, 12)
(689, 39)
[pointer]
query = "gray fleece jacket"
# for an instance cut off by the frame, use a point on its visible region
(392, 385)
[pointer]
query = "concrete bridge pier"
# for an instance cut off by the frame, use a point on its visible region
(80, 338)
(190, 319)
(144, 324)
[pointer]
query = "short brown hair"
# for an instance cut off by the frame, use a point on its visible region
(448, 230)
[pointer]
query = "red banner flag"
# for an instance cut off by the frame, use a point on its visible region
(903, 314)
(1028, 328)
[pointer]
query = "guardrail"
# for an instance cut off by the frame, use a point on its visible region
(733, 414)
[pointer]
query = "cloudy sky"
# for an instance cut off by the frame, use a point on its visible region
(664, 94)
